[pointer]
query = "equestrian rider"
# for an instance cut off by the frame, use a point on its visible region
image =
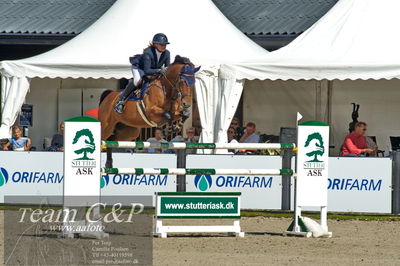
(153, 61)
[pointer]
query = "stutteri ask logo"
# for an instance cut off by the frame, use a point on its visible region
(314, 148)
(316, 144)
(85, 144)
(202, 182)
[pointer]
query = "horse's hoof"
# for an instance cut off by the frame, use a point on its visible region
(185, 113)
(168, 115)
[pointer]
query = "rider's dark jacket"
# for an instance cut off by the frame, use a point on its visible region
(147, 62)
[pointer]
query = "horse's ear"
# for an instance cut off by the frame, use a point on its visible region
(178, 58)
(197, 69)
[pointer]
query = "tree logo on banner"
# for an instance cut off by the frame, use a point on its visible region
(316, 143)
(85, 143)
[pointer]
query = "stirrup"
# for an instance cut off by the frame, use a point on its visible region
(119, 107)
(137, 92)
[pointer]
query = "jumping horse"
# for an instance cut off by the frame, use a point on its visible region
(167, 99)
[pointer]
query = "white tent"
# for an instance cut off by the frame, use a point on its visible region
(355, 40)
(351, 53)
(195, 28)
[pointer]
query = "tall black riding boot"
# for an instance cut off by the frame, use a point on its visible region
(119, 106)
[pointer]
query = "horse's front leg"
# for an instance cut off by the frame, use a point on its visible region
(185, 114)
(160, 113)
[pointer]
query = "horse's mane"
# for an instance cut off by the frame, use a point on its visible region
(182, 60)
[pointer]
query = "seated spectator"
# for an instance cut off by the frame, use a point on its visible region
(3, 142)
(158, 137)
(232, 138)
(249, 135)
(235, 124)
(17, 142)
(57, 142)
(190, 137)
(232, 135)
(355, 143)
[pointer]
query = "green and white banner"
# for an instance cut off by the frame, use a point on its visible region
(198, 205)
(312, 164)
(82, 157)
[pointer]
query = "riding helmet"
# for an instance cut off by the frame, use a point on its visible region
(160, 38)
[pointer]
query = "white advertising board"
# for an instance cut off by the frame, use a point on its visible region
(41, 173)
(258, 192)
(31, 173)
(360, 184)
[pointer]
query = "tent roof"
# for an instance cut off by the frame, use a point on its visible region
(50, 17)
(255, 18)
(339, 46)
(274, 17)
(196, 29)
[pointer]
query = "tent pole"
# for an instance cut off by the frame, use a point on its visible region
(329, 115)
(330, 87)
(318, 100)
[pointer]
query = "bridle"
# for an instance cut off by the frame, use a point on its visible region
(178, 87)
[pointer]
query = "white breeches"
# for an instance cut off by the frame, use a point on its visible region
(136, 77)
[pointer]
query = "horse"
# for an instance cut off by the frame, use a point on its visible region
(167, 99)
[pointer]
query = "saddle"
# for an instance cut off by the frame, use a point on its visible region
(139, 93)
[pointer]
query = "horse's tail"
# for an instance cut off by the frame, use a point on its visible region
(104, 95)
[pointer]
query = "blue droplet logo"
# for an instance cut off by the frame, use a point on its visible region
(203, 182)
(3, 176)
(104, 181)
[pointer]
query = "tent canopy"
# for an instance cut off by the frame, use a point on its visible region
(102, 51)
(355, 40)
(196, 29)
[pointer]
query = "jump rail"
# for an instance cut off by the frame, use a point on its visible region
(189, 145)
(196, 171)
(311, 176)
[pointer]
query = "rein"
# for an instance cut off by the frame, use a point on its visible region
(177, 86)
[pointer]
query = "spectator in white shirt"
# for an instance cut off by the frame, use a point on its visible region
(157, 138)
(232, 138)
(232, 135)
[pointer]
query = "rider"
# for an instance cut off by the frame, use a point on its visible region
(153, 61)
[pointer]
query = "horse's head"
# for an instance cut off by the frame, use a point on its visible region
(181, 75)
(186, 83)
